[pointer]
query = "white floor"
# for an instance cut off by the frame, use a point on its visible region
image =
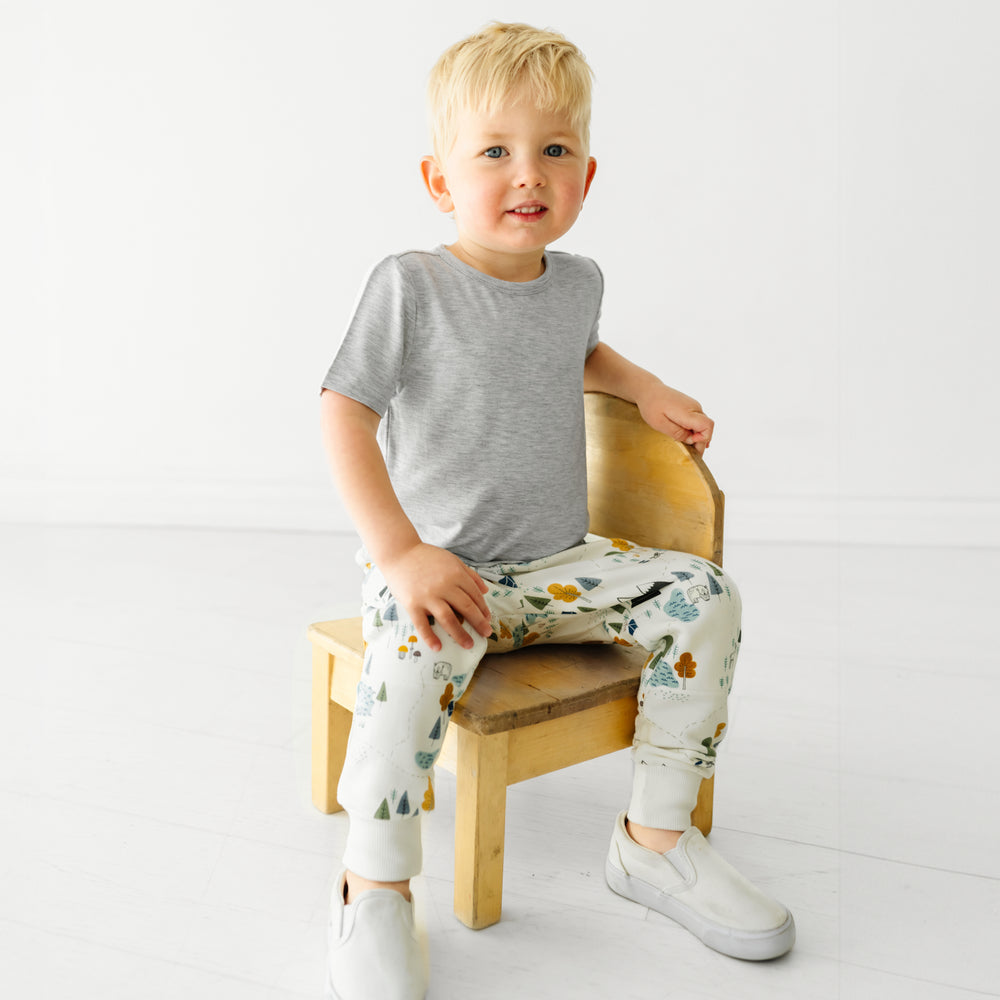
(159, 842)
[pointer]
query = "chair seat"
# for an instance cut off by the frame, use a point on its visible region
(523, 688)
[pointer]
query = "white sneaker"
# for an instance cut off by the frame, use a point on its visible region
(375, 952)
(704, 893)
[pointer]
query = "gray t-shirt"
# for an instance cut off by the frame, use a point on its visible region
(480, 386)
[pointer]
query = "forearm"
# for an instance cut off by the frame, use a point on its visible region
(361, 477)
(607, 371)
(666, 410)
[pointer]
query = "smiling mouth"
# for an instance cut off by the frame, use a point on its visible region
(529, 212)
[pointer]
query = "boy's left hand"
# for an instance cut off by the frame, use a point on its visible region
(681, 417)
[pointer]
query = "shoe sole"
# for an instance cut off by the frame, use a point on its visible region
(752, 946)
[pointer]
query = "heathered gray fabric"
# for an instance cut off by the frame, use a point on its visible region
(480, 386)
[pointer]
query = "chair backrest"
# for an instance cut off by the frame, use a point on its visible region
(647, 487)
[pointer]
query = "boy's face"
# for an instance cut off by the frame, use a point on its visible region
(516, 181)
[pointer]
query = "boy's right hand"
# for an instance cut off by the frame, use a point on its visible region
(431, 582)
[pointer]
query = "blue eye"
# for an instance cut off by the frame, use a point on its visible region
(494, 152)
(555, 150)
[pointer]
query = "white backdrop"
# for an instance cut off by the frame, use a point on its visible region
(796, 209)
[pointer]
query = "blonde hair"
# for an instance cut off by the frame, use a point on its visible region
(482, 71)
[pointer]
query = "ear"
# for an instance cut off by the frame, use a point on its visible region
(437, 184)
(591, 170)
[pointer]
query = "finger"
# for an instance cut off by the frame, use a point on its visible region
(696, 441)
(702, 424)
(676, 431)
(475, 612)
(449, 621)
(422, 626)
(661, 422)
(483, 619)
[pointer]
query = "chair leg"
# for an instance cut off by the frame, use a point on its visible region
(331, 725)
(702, 815)
(480, 815)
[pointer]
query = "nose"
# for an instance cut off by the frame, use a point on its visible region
(529, 172)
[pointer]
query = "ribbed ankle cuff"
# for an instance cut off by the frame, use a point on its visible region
(382, 850)
(664, 797)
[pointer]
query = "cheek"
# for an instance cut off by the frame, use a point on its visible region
(573, 189)
(475, 197)
(484, 202)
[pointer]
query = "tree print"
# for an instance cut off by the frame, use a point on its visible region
(711, 744)
(538, 602)
(660, 674)
(365, 699)
(677, 607)
(685, 668)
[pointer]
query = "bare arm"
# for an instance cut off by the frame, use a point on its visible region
(428, 581)
(663, 408)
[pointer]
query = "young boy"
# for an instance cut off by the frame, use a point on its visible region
(453, 420)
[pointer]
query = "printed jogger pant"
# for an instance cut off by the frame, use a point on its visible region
(684, 610)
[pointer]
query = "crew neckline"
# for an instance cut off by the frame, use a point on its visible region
(519, 287)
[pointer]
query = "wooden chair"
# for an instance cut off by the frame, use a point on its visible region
(540, 708)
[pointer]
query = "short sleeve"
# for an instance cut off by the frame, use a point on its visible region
(594, 338)
(369, 362)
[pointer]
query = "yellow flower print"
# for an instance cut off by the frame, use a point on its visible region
(567, 593)
(620, 543)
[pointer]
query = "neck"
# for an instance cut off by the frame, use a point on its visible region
(505, 267)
